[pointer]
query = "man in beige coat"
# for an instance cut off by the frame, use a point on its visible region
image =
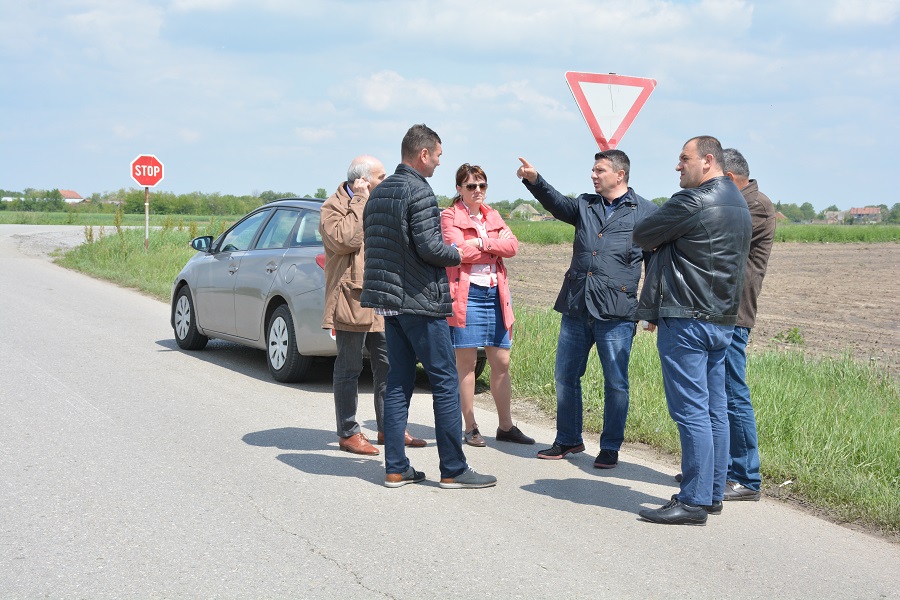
(354, 327)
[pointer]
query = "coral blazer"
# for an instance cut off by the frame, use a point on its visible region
(457, 227)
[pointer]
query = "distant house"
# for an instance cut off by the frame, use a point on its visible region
(867, 214)
(525, 212)
(834, 217)
(71, 197)
(780, 217)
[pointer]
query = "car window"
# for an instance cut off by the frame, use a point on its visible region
(242, 234)
(308, 231)
(277, 233)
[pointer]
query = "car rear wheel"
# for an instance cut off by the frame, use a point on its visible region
(186, 334)
(285, 363)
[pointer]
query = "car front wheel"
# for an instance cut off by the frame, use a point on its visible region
(285, 363)
(186, 334)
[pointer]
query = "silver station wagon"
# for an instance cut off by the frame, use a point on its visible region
(261, 284)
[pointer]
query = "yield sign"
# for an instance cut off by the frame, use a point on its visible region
(609, 103)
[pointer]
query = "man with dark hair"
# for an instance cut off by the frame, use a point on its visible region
(701, 239)
(743, 480)
(598, 299)
(405, 280)
(354, 327)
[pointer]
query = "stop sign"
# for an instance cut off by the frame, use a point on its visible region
(147, 170)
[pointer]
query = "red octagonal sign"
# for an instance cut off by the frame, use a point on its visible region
(147, 170)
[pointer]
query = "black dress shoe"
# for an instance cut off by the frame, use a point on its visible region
(676, 512)
(514, 435)
(715, 508)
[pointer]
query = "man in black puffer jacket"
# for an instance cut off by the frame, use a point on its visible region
(692, 290)
(405, 279)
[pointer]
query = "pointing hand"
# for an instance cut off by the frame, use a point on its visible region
(526, 171)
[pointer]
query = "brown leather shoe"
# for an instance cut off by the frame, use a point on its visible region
(358, 444)
(408, 440)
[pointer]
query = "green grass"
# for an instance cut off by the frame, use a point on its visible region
(830, 426)
(542, 232)
(118, 255)
(837, 234)
(557, 232)
(103, 219)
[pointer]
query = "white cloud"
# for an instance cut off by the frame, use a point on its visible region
(202, 5)
(864, 12)
(189, 136)
(389, 90)
(312, 134)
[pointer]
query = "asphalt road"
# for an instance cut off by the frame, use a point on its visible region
(131, 469)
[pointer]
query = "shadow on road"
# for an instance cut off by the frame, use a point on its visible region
(594, 493)
(310, 458)
(252, 362)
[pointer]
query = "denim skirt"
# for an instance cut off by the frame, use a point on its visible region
(484, 321)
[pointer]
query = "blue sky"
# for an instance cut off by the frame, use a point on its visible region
(240, 96)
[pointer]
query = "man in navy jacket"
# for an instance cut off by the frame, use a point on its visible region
(598, 299)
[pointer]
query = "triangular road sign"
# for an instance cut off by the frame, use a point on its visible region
(609, 102)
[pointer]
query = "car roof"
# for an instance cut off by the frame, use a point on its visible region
(309, 203)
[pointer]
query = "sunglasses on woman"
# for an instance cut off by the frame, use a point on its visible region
(473, 186)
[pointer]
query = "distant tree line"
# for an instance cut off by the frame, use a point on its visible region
(216, 204)
(132, 201)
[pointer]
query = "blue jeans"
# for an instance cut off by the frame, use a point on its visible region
(743, 462)
(576, 338)
(347, 366)
(692, 354)
(428, 338)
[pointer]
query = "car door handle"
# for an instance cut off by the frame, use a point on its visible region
(233, 269)
(271, 268)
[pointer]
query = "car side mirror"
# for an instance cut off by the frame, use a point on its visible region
(202, 243)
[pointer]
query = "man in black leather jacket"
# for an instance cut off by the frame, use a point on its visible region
(692, 290)
(405, 280)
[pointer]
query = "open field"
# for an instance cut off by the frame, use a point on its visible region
(840, 297)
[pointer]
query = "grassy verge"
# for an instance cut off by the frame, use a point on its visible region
(104, 219)
(118, 255)
(829, 426)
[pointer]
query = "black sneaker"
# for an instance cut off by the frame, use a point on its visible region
(607, 459)
(395, 480)
(559, 451)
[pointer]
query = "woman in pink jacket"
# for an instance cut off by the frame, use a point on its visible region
(482, 307)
